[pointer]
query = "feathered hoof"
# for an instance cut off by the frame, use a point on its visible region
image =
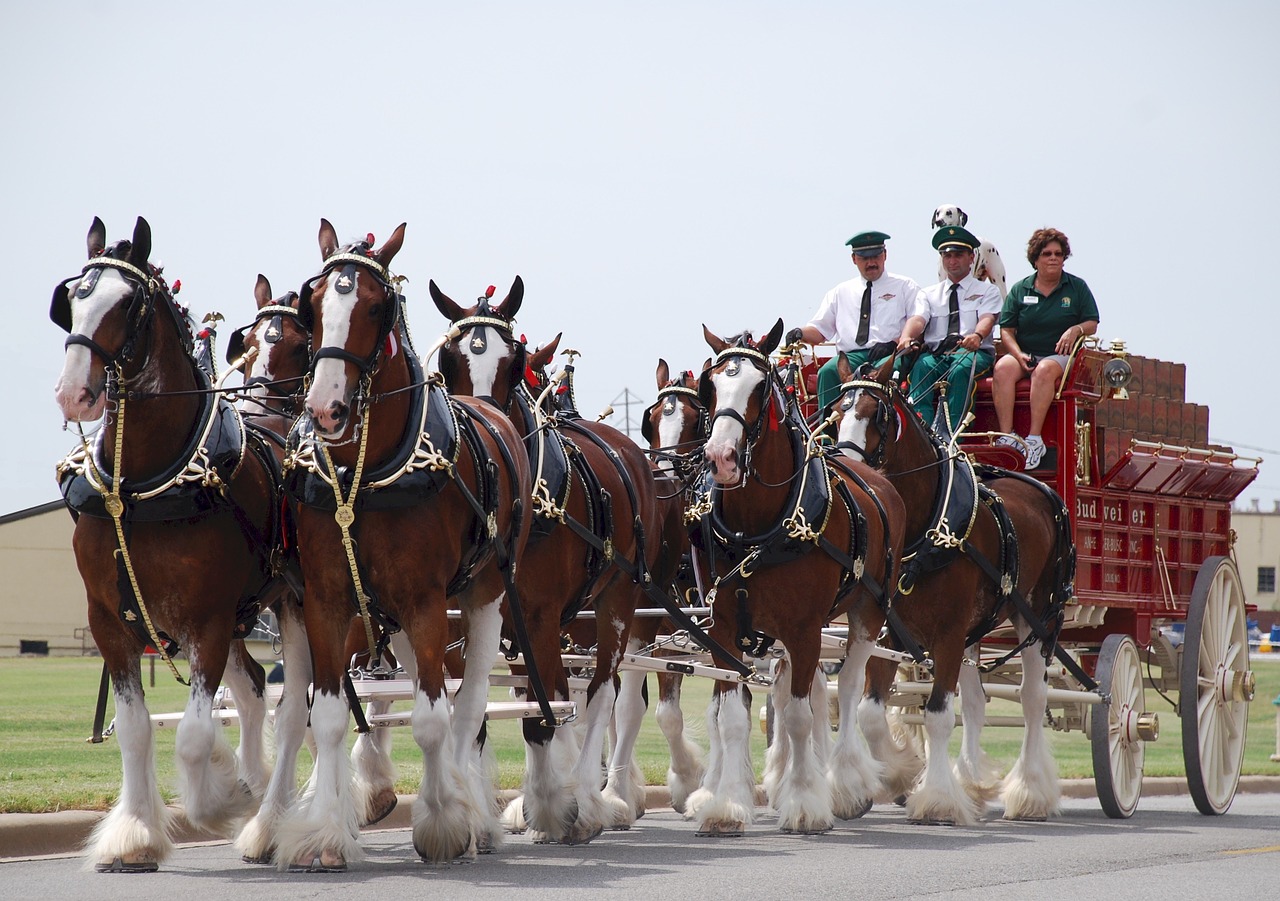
(931, 821)
(267, 857)
(581, 834)
(380, 806)
(324, 862)
(805, 829)
(119, 865)
(1027, 818)
(722, 829)
(856, 811)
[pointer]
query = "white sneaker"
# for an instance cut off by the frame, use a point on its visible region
(1035, 451)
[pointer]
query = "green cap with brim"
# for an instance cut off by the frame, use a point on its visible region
(867, 244)
(953, 237)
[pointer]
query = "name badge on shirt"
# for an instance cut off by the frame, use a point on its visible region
(1030, 299)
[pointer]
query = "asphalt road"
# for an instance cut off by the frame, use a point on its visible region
(1167, 851)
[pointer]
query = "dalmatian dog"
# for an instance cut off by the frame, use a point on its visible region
(987, 264)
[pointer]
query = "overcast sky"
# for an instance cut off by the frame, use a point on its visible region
(648, 167)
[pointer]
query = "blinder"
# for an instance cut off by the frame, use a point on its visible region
(139, 309)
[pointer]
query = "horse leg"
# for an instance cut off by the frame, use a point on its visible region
(976, 771)
(939, 799)
(687, 764)
(729, 805)
(546, 804)
(256, 841)
(484, 633)
(247, 681)
(321, 831)
(1031, 790)
(213, 796)
(134, 836)
(444, 815)
(804, 796)
(374, 773)
(902, 765)
(853, 773)
(777, 757)
(624, 790)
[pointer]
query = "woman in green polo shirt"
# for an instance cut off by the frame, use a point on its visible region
(1043, 317)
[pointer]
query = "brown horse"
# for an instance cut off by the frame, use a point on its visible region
(274, 354)
(594, 504)
(406, 498)
(974, 558)
(676, 429)
(786, 540)
(173, 539)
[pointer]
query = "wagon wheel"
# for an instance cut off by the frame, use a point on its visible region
(1215, 686)
(1118, 749)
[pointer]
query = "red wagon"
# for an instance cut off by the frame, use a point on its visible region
(1158, 599)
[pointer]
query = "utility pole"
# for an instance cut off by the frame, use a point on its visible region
(626, 399)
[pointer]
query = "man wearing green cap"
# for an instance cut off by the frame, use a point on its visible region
(863, 316)
(954, 318)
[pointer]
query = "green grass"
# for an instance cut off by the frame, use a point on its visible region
(46, 713)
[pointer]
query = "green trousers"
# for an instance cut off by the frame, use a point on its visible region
(960, 370)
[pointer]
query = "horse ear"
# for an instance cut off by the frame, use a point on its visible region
(140, 248)
(511, 303)
(885, 372)
(541, 357)
(664, 373)
(328, 240)
(769, 342)
(387, 251)
(444, 303)
(842, 367)
(97, 239)
(262, 291)
(714, 341)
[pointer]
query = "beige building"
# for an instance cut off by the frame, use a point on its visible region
(1258, 554)
(41, 593)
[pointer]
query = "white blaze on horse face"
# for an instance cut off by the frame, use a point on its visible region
(81, 395)
(853, 428)
(329, 389)
(734, 387)
(260, 367)
(482, 367)
(671, 427)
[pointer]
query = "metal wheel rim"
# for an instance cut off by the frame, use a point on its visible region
(1118, 755)
(1215, 645)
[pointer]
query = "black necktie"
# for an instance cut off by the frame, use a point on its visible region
(864, 320)
(953, 310)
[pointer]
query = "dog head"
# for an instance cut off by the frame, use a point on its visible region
(949, 214)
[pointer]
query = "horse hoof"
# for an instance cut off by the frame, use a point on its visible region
(931, 821)
(119, 865)
(381, 806)
(900, 801)
(318, 864)
(857, 812)
(267, 857)
(582, 836)
(1028, 819)
(817, 830)
(721, 830)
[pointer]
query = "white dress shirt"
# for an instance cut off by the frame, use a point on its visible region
(892, 299)
(977, 298)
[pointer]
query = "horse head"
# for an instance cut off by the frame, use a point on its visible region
(868, 428)
(737, 390)
(277, 351)
(352, 310)
(485, 359)
(106, 311)
(677, 419)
